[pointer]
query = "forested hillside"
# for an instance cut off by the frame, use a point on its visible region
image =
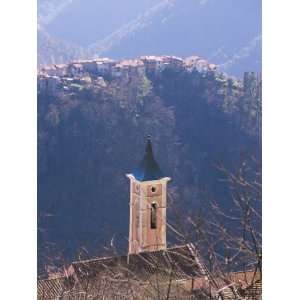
(90, 136)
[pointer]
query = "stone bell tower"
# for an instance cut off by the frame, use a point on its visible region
(148, 201)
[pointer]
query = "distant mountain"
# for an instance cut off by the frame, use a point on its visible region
(54, 51)
(227, 32)
(49, 9)
(84, 22)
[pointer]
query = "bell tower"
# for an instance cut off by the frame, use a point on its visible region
(148, 202)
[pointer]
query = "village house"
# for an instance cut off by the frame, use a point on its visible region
(54, 70)
(116, 70)
(130, 67)
(125, 68)
(48, 84)
(172, 61)
(89, 66)
(160, 63)
(96, 66)
(48, 70)
(61, 70)
(196, 63)
(135, 66)
(153, 63)
(104, 66)
(150, 267)
(75, 69)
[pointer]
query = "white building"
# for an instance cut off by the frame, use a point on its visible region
(153, 63)
(104, 65)
(75, 69)
(48, 84)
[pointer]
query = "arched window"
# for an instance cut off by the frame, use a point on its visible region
(153, 217)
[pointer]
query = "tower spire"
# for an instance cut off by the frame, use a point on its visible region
(148, 202)
(148, 169)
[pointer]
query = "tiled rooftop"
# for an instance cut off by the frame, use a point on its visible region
(180, 262)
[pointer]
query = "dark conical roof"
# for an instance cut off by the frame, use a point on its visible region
(148, 168)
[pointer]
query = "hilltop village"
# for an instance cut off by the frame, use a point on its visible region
(77, 74)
